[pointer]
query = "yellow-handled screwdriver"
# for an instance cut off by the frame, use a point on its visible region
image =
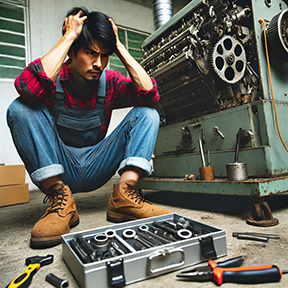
(34, 264)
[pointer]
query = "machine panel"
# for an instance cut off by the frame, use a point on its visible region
(209, 61)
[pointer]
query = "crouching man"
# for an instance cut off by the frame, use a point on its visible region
(59, 122)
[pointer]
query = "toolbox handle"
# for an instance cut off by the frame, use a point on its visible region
(164, 253)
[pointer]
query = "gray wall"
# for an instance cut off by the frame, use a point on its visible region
(45, 20)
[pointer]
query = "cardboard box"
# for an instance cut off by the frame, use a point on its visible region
(12, 174)
(14, 194)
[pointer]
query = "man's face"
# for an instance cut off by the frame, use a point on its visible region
(89, 63)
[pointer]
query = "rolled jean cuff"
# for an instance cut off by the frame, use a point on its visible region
(136, 162)
(46, 172)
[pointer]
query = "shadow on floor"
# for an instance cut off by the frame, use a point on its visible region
(232, 205)
(91, 202)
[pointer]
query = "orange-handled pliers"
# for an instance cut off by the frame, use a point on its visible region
(228, 271)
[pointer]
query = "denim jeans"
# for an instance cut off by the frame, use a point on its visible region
(83, 169)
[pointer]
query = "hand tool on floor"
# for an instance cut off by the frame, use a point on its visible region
(254, 236)
(228, 271)
(34, 264)
(56, 281)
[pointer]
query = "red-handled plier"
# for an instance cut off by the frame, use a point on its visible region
(228, 271)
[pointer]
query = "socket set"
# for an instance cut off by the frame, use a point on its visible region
(121, 254)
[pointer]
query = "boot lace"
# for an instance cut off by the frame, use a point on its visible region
(57, 199)
(134, 194)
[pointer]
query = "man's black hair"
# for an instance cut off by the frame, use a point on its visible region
(97, 26)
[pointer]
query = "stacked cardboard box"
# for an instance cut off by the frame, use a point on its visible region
(13, 189)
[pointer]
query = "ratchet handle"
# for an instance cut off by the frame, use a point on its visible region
(247, 275)
(24, 280)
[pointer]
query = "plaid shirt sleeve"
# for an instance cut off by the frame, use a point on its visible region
(33, 84)
(125, 94)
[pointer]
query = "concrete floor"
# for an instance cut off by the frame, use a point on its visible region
(225, 212)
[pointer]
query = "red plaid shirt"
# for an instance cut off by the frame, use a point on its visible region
(34, 85)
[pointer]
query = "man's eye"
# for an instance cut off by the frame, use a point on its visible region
(91, 53)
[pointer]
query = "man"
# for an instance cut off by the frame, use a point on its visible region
(59, 122)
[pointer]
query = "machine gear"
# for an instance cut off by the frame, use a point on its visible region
(229, 59)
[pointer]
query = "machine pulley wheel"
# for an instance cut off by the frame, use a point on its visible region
(277, 35)
(229, 59)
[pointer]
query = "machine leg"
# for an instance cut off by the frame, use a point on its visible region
(261, 215)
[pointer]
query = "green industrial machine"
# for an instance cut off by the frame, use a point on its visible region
(211, 66)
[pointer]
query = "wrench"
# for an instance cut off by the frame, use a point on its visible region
(145, 229)
(131, 234)
(110, 233)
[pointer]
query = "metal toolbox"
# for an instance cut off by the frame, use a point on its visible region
(205, 243)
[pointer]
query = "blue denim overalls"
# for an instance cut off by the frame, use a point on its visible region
(79, 128)
(83, 168)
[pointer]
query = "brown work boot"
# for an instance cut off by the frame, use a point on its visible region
(60, 216)
(127, 204)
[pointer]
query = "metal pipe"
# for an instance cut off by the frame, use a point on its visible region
(163, 11)
(201, 153)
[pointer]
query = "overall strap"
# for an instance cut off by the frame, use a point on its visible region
(102, 89)
(59, 88)
(59, 94)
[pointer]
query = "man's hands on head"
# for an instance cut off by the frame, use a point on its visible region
(115, 31)
(139, 76)
(73, 25)
(53, 60)
(119, 45)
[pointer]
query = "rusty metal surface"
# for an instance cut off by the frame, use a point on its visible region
(255, 187)
(261, 215)
(218, 180)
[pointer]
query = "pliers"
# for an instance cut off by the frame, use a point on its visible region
(229, 271)
(34, 264)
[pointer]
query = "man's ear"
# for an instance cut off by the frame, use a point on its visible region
(71, 54)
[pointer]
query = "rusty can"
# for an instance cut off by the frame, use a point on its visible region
(206, 173)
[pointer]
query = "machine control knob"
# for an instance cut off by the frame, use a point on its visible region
(218, 132)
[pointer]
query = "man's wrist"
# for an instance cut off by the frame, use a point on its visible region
(120, 48)
(69, 37)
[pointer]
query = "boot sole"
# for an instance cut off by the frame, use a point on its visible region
(47, 242)
(116, 217)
